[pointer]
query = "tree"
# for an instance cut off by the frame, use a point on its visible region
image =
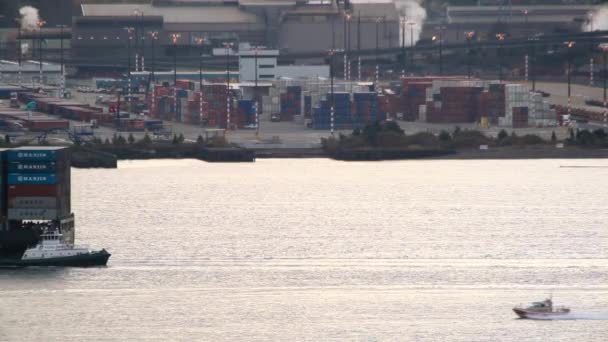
(200, 140)
(553, 137)
(181, 138)
(107, 142)
(131, 138)
(175, 139)
(146, 139)
(502, 134)
(444, 136)
(571, 131)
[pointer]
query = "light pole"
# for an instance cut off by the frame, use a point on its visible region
(255, 93)
(228, 47)
(412, 24)
(174, 38)
(40, 24)
(526, 34)
(469, 35)
(62, 86)
(570, 45)
(501, 38)
(19, 53)
(439, 38)
(331, 103)
(199, 41)
(359, 46)
(402, 22)
(154, 36)
(376, 53)
(129, 37)
(604, 48)
(346, 39)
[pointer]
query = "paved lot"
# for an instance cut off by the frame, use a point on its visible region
(294, 135)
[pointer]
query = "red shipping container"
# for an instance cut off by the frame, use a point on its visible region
(33, 190)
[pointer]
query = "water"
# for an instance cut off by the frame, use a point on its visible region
(319, 250)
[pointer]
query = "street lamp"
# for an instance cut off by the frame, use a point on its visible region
(228, 46)
(129, 37)
(412, 24)
(347, 17)
(331, 53)
(501, 38)
(61, 27)
(255, 93)
(469, 35)
(570, 45)
(526, 34)
(376, 53)
(359, 46)
(40, 23)
(19, 51)
(174, 38)
(199, 41)
(402, 22)
(439, 38)
(604, 48)
(154, 36)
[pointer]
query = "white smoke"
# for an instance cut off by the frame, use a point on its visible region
(415, 15)
(29, 18)
(597, 20)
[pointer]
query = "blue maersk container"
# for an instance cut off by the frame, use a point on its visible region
(32, 178)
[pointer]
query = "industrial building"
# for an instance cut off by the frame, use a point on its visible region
(291, 26)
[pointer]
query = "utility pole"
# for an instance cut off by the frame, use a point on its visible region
(440, 39)
(376, 53)
(129, 37)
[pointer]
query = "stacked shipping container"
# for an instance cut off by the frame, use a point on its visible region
(38, 183)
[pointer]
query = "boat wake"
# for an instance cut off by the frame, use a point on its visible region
(603, 316)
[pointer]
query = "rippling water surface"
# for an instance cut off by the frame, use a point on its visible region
(322, 250)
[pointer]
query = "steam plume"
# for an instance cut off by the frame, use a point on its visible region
(29, 18)
(413, 12)
(597, 20)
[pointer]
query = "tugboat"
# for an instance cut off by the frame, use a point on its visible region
(544, 309)
(52, 251)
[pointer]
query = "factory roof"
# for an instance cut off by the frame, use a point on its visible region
(386, 10)
(177, 14)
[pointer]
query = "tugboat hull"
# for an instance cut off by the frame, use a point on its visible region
(535, 314)
(82, 260)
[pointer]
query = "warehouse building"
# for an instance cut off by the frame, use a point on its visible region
(291, 26)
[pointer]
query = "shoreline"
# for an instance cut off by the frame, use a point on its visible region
(101, 159)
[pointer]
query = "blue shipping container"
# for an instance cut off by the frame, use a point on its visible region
(32, 178)
(32, 155)
(31, 167)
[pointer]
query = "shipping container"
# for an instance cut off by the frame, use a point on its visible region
(32, 202)
(32, 167)
(32, 214)
(31, 178)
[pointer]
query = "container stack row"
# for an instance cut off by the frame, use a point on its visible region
(37, 183)
(365, 108)
(291, 102)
